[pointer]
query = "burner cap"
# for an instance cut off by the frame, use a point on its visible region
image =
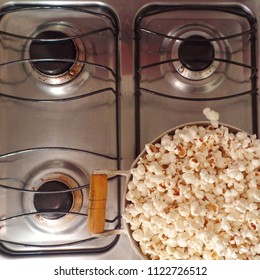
(53, 201)
(196, 53)
(64, 49)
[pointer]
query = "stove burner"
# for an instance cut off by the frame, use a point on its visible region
(53, 202)
(196, 53)
(64, 49)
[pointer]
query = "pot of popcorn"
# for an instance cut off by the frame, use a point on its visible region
(192, 193)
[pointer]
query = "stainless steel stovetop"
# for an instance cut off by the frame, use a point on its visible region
(84, 85)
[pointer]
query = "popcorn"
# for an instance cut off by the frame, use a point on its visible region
(149, 207)
(189, 177)
(138, 235)
(184, 210)
(212, 116)
(196, 195)
(206, 177)
(178, 253)
(234, 173)
(183, 239)
(141, 187)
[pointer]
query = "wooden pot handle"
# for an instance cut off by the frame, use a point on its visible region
(97, 203)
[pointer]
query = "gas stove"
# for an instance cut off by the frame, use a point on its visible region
(85, 85)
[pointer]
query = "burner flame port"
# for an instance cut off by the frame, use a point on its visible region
(196, 53)
(57, 201)
(56, 55)
(56, 49)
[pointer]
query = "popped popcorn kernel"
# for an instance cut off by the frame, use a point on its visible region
(196, 195)
(212, 116)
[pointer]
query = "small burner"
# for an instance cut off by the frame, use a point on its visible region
(64, 49)
(196, 53)
(53, 202)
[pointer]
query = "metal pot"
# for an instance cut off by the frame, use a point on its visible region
(98, 190)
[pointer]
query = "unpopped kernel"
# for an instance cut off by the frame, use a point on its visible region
(196, 195)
